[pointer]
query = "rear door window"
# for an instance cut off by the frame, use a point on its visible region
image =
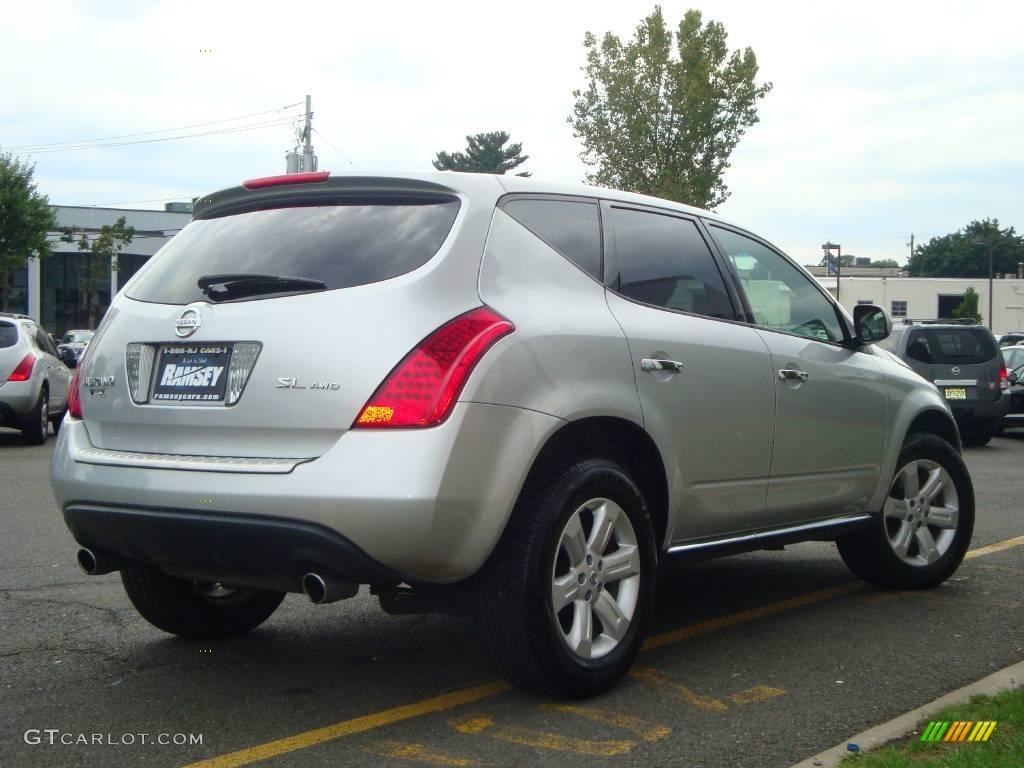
(341, 245)
(570, 227)
(663, 260)
(951, 346)
(8, 335)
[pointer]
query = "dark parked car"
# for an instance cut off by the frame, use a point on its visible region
(72, 346)
(1014, 357)
(963, 361)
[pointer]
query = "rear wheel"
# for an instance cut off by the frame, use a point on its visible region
(36, 427)
(977, 435)
(925, 527)
(196, 609)
(564, 599)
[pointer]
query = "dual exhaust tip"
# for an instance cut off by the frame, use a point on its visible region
(322, 589)
(319, 588)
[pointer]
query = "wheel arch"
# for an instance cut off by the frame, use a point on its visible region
(623, 442)
(935, 422)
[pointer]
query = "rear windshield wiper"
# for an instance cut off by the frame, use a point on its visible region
(232, 285)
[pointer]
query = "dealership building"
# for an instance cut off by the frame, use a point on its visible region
(52, 290)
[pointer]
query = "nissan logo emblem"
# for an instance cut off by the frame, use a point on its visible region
(955, 371)
(188, 323)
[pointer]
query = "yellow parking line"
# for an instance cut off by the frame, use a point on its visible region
(416, 753)
(356, 725)
(755, 694)
(998, 546)
(655, 678)
(529, 737)
(642, 728)
(469, 695)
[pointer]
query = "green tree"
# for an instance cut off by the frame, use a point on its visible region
(25, 220)
(969, 306)
(102, 247)
(958, 254)
(665, 124)
(485, 153)
(892, 263)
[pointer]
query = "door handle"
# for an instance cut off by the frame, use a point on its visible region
(649, 365)
(791, 374)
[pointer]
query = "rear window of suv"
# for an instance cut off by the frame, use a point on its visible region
(8, 335)
(341, 245)
(951, 346)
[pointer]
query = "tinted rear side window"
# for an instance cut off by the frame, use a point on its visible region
(342, 245)
(570, 227)
(951, 346)
(663, 260)
(8, 335)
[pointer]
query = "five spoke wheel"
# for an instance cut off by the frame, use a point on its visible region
(595, 584)
(921, 512)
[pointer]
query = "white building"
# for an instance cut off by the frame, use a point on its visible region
(934, 297)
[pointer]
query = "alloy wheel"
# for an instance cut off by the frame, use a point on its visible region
(921, 513)
(595, 579)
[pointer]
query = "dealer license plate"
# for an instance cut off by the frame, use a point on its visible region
(192, 372)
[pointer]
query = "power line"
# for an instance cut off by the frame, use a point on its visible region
(236, 129)
(331, 144)
(30, 147)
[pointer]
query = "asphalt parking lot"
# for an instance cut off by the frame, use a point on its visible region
(755, 660)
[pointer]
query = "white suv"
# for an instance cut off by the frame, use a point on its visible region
(488, 393)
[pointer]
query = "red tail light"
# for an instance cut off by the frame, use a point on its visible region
(1004, 382)
(311, 177)
(74, 399)
(24, 370)
(422, 389)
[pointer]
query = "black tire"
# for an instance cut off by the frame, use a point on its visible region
(36, 426)
(514, 589)
(976, 436)
(871, 556)
(193, 610)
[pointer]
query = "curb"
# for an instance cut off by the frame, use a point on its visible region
(1009, 678)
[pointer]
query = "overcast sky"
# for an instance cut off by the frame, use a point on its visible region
(886, 118)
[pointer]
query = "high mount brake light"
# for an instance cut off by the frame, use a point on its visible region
(422, 389)
(24, 370)
(311, 177)
(74, 397)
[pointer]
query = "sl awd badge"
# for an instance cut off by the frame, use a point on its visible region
(290, 382)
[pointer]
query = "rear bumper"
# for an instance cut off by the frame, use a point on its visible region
(985, 413)
(428, 505)
(265, 552)
(17, 399)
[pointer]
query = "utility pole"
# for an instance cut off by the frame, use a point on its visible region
(307, 161)
(911, 246)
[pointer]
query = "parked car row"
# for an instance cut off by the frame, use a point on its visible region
(1014, 357)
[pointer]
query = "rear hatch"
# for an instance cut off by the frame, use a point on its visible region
(262, 329)
(11, 352)
(963, 363)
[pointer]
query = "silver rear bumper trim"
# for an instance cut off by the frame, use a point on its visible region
(242, 465)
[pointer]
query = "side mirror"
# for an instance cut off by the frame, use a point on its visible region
(871, 323)
(1013, 378)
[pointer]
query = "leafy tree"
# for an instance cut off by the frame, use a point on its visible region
(958, 255)
(485, 153)
(103, 248)
(969, 306)
(665, 124)
(25, 219)
(892, 263)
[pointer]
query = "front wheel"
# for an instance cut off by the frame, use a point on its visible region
(195, 609)
(565, 597)
(926, 523)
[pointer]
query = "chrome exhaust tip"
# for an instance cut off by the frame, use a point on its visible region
(326, 589)
(96, 565)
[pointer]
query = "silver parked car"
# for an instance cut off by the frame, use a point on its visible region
(33, 381)
(535, 395)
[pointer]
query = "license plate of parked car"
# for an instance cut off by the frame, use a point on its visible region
(957, 393)
(192, 372)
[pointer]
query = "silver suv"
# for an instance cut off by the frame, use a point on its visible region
(488, 394)
(33, 381)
